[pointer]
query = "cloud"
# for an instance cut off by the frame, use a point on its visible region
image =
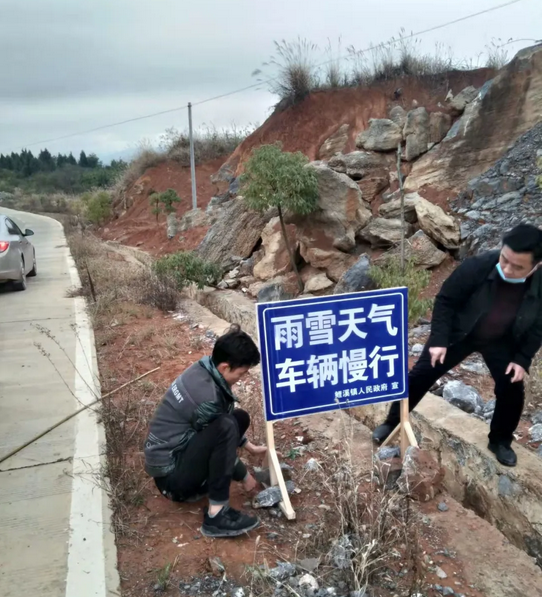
(70, 66)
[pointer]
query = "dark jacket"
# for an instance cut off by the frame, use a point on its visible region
(467, 295)
(197, 397)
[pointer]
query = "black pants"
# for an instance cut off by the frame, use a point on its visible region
(497, 356)
(209, 463)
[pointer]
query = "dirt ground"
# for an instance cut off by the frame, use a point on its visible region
(139, 228)
(157, 531)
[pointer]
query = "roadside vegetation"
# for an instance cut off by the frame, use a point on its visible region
(299, 67)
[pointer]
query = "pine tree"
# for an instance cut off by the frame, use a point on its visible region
(83, 161)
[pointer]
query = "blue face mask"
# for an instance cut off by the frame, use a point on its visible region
(510, 280)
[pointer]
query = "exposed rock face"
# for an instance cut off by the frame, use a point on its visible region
(193, 219)
(420, 249)
(382, 135)
(384, 233)
(393, 208)
(437, 224)
(505, 195)
(416, 133)
(356, 278)
(335, 143)
(340, 214)
(505, 108)
(276, 260)
(233, 237)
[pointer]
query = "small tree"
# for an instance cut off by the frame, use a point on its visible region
(97, 207)
(168, 198)
(276, 178)
(154, 202)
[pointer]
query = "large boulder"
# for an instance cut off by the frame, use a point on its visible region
(382, 135)
(417, 133)
(356, 278)
(384, 233)
(318, 283)
(369, 168)
(465, 397)
(233, 237)
(334, 262)
(335, 143)
(398, 115)
(281, 288)
(420, 249)
(340, 213)
(440, 123)
(359, 164)
(504, 109)
(275, 260)
(459, 102)
(437, 224)
(393, 209)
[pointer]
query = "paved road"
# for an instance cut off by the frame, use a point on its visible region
(54, 532)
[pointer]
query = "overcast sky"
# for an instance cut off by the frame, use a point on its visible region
(72, 65)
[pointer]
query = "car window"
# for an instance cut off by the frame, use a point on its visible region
(13, 228)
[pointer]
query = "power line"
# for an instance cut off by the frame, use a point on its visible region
(253, 86)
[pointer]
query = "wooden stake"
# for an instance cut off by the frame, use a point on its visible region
(276, 474)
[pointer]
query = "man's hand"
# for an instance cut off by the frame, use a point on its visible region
(256, 450)
(437, 354)
(517, 371)
(249, 483)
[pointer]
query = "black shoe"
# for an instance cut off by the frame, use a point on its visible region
(228, 523)
(382, 432)
(504, 454)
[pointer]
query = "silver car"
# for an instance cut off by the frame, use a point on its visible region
(17, 254)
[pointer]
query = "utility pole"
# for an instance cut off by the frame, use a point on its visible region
(192, 165)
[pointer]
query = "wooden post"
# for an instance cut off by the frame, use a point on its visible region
(276, 474)
(404, 429)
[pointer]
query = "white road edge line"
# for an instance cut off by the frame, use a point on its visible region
(92, 561)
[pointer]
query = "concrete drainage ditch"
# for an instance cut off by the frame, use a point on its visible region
(509, 499)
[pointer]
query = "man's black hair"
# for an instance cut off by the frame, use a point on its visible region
(525, 238)
(235, 348)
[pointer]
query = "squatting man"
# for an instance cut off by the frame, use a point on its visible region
(490, 304)
(196, 431)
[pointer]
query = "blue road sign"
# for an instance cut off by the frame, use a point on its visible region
(332, 352)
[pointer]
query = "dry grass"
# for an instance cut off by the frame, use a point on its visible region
(369, 527)
(146, 157)
(210, 143)
(113, 287)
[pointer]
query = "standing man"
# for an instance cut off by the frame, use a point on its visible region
(490, 304)
(195, 433)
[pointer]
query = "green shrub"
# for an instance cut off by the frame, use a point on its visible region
(186, 267)
(97, 207)
(390, 275)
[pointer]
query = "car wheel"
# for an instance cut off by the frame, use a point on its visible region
(34, 271)
(20, 284)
